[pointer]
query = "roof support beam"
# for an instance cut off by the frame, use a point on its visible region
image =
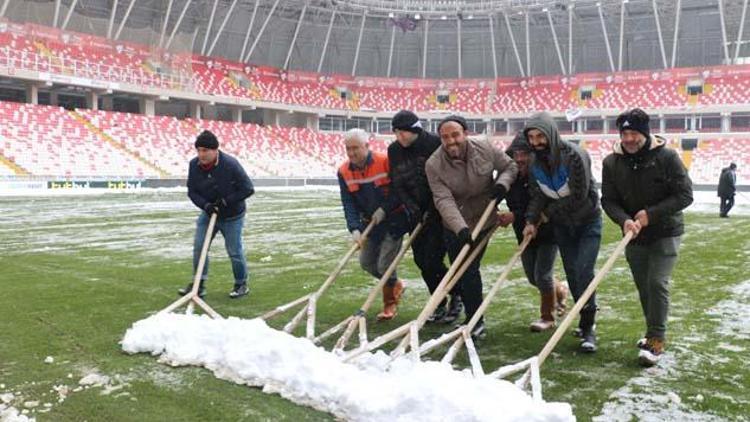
(262, 30)
(739, 33)
(166, 21)
(124, 19)
(513, 43)
(69, 14)
(249, 30)
(221, 27)
(177, 24)
(557, 44)
(325, 43)
(458, 50)
(57, 13)
(658, 32)
(424, 47)
(606, 38)
(676, 37)
(294, 38)
(492, 45)
(570, 39)
(208, 29)
(723, 32)
(528, 46)
(4, 8)
(359, 42)
(112, 19)
(622, 35)
(390, 51)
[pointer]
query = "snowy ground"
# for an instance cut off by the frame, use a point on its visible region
(121, 256)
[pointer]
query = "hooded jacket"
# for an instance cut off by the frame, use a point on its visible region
(518, 199)
(462, 189)
(655, 180)
(562, 186)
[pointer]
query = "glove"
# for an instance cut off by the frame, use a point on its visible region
(414, 212)
(211, 208)
(378, 216)
(499, 192)
(356, 236)
(464, 237)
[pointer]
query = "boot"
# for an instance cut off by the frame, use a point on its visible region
(651, 353)
(547, 321)
(588, 330)
(561, 298)
(390, 302)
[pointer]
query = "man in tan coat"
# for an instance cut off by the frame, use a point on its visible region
(460, 174)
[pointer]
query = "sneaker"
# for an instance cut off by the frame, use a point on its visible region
(454, 309)
(652, 352)
(588, 341)
(239, 291)
(437, 316)
(187, 289)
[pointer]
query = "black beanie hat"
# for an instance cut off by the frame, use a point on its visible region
(519, 143)
(635, 119)
(207, 140)
(406, 120)
(453, 118)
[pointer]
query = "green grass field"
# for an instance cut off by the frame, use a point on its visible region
(78, 271)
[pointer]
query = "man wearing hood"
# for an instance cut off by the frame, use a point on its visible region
(406, 158)
(538, 258)
(460, 174)
(645, 187)
(563, 189)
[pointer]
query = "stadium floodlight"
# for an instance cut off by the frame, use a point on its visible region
(417, 16)
(391, 15)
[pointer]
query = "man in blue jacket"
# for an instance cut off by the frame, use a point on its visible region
(217, 184)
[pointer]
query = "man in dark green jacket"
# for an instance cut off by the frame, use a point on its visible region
(645, 187)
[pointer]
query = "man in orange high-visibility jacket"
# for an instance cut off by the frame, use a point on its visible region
(364, 184)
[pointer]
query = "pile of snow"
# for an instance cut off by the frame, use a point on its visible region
(11, 414)
(249, 352)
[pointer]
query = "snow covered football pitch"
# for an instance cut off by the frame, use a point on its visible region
(78, 271)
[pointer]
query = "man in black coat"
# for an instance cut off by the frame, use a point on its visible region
(217, 184)
(645, 187)
(406, 159)
(727, 189)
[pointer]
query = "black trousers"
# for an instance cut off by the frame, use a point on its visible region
(727, 202)
(470, 284)
(429, 253)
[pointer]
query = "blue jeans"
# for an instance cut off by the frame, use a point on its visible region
(579, 248)
(231, 229)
